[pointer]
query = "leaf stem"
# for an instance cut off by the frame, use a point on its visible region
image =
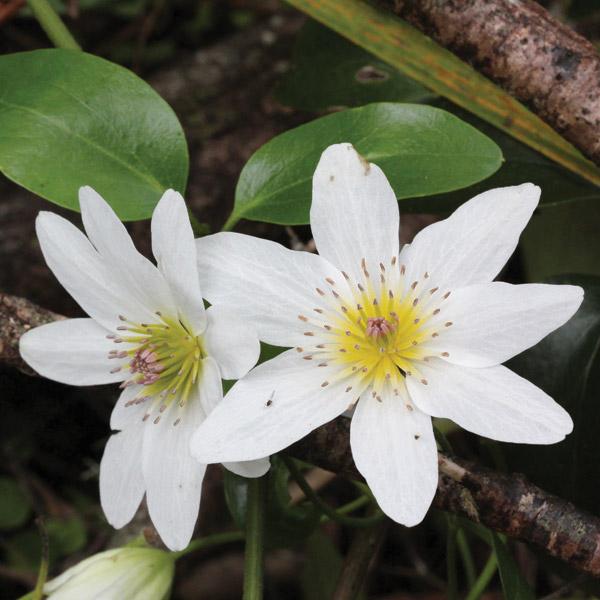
(231, 222)
(209, 541)
(52, 24)
(38, 592)
(466, 556)
(484, 578)
(255, 525)
(333, 514)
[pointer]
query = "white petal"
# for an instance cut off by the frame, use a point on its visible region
(172, 477)
(265, 283)
(74, 351)
(82, 272)
(132, 270)
(395, 451)
(491, 322)
(493, 402)
(231, 341)
(175, 252)
(124, 414)
(249, 468)
(275, 405)
(354, 212)
(211, 390)
(474, 243)
(121, 481)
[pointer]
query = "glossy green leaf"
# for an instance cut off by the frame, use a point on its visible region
(69, 119)
(15, 506)
(566, 365)
(422, 150)
(329, 71)
(514, 585)
(521, 164)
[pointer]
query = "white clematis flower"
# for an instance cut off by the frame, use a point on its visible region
(149, 330)
(127, 573)
(405, 335)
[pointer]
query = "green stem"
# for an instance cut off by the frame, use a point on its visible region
(452, 583)
(38, 592)
(209, 541)
(51, 23)
(231, 222)
(350, 507)
(466, 557)
(255, 525)
(484, 578)
(333, 514)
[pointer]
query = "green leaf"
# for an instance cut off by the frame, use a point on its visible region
(514, 585)
(566, 365)
(69, 119)
(521, 164)
(15, 506)
(422, 150)
(322, 566)
(329, 71)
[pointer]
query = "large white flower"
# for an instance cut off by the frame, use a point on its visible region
(405, 335)
(149, 330)
(122, 573)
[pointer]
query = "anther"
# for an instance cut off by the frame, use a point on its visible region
(346, 276)
(115, 370)
(445, 354)
(435, 334)
(414, 284)
(382, 267)
(146, 417)
(409, 407)
(433, 290)
(323, 364)
(363, 264)
(328, 327)
(424, 381)
(320, 291)
(156, 420)
(415, 302)
(360, 287)
(436, 311)
(402, 270)
(329, 281)
(320, 346)
(302, 318)
(416, 321)
(335, 294)
(348, 388)
(325, 384)
(390, 293)
(446, 295)
(426, 276)
(176, 422)
(307, 357)
(318, 310)
(375, 303)
(356, 347)
(309, 333)
(394, 259)
(344, 309)
(415, 343)
(299, 349)
(348, 332)
(448, 324)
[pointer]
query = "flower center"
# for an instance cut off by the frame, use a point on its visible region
(374, 332)
(164, 357)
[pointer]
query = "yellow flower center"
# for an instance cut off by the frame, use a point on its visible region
(376, 331)
(164, 357)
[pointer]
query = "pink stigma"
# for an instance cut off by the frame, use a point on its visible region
(378, 326)
(146, 363)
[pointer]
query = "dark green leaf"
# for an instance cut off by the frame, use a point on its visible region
(329, 71)
(566, 365)
(422, 150)
(15, 506)
(69, 119)
(514, 585)
(321, 568)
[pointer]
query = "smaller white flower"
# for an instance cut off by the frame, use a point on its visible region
(402, 335)
(149, 330)
(123, 573)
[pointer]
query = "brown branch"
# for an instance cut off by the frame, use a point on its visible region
(540, 61)
(18, 315)
(507, 503)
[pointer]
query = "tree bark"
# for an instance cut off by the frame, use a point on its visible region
(518, 45)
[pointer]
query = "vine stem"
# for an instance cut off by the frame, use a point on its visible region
(51, 23)
(255, 527)
(323, 506)
(209, 541)
(484, 578)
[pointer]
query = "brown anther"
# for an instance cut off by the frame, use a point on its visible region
(416, 321)
(176, 422)
(424, 381)
(360, 287)
(375, 303)
(417, 436)
(328, 327)
(346, 276)
(348, 388)
(320, 291)
(323, 364)
(394, 259)
(402, 270)
(390, 293)
(415, 343)
(435, 334)
(426, 276)
(445, 354)
(344, 309)
(414, 284)
(307, 357)
(318, 310)
(436, 311)
(356, 347)
(320, 346)
(303, 318)
(329, 281)
(325, 384)
(309, 333)
(446, 295)
(299, 349)
(415, 302)
(156, 420)
(433, 290)
(409, 407)
(447, 324)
